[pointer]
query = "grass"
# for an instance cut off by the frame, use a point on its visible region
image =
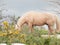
(10, 35)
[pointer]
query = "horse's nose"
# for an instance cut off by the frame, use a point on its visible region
(16, 27)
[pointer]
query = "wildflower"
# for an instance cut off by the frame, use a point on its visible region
(4, 34)
(16, 32)
(10, 32)
(1, 34)
(5, 23)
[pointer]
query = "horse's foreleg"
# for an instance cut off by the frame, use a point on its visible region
(30, 27)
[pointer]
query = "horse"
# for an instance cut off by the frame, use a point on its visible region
(34, 18)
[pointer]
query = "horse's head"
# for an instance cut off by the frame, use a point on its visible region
(17, 27)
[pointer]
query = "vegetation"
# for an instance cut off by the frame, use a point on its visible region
(9, 35)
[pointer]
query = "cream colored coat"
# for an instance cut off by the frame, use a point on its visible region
(33, 18)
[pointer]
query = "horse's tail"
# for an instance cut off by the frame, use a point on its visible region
(57, 24)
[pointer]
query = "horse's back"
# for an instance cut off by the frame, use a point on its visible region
(35, 14)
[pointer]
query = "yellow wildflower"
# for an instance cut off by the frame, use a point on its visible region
(5, 23)
(4, 34)
(10, 32)
(16, 32)
(1, 34)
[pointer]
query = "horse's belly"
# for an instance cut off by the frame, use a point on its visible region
(39, 23)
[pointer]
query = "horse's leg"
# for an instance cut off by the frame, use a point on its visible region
(51, 30)
(30, 27)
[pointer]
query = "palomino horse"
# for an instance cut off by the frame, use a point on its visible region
(33, 18)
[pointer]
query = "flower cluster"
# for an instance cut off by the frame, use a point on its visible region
(5, 23)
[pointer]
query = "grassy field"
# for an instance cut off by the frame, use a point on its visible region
(9, 35)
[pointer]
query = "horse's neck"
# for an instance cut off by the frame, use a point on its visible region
(21, 22)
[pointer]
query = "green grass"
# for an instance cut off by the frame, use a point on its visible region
(30, 38)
